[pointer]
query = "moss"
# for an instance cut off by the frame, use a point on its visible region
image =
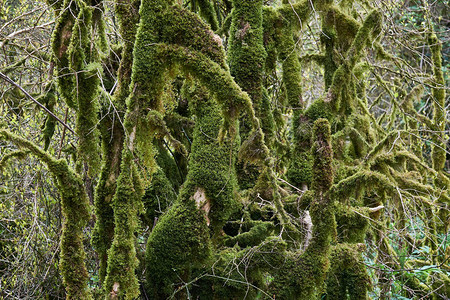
(60, 43)
(178, 244)
(352, 223)
(121, 280)
(318, 109)
(208, 12)
(301, 276)
(300, 170)
(323, 156)
(291, 69)
(295, 13)
(112, 136)
(170, 167)
(439, 112)
(342, 91)
(230, 278)
(257, 233)
(246, 53)
(76, 212)
(86, 80)
(49, 100)
(347, 278)
(19, 154)
(207, 198)
(211, 165)
(346, 27)
(158, 197)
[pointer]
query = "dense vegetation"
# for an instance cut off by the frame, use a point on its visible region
(229, 149)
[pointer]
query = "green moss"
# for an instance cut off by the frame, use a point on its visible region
(300, 170)
(208, 12)
(439, 113)
(60, 44)
(211, 164)
(86, 79)
(49, 100)
(207, 198)
(76, 212)
(246, 53)
(291, 69)
(231, 278)
(257, 233)
(323, 156)
(352, 223)
(112, 135)
(342, 91)
(159, 196)
(178, 244)
(121, 280)
(301, 276)
(295, 13)
(170, 167)
(347, 278)
(19, 154)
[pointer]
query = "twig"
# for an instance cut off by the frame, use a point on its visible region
(7, 79)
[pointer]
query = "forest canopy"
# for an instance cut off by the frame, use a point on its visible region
(226, 149)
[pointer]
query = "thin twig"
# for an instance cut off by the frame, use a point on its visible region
(7, 79)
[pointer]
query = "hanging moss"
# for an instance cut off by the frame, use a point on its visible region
(76, 212)
(295, 13)
(439, 112)
(158, 197)
(112, 135)
(342, 91)
(19, 154)
(301, 276)
(246, 53)
(352, 223)
(211, 165)
(49, 100)
(121, 281)
(300, 170)
(86, 80)
(208, 12)
(60, 44)
(253, 237)
(291, 69)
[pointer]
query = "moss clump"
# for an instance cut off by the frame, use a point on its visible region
(323, 156)
(49, 100)
(211, 164)
(300, 170)
(178, 244)
(121, 280)
(347, 278)
(352, 223)
(208, 12)
(301, 275)
(246, 57)
(158, 197)
(60, 44)
(87, 79)
(439, 113)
